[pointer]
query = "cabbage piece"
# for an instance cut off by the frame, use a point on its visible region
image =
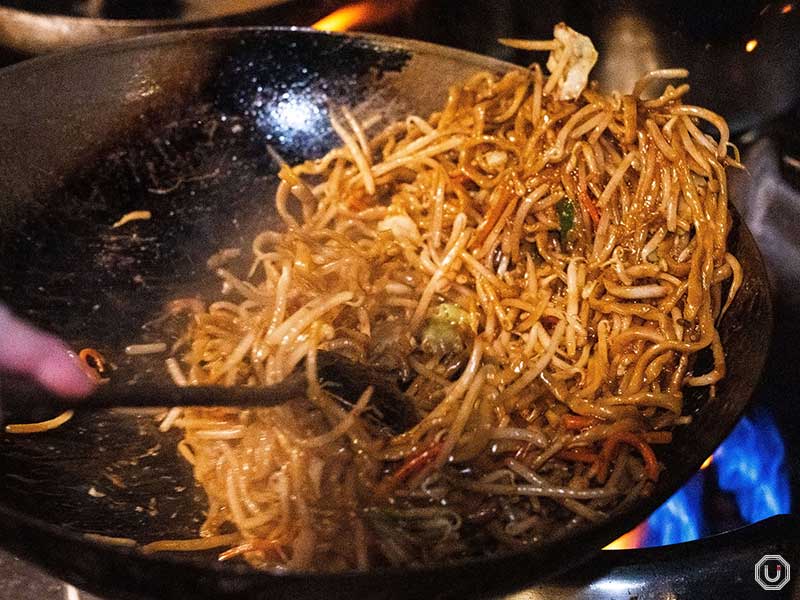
(447, 329)
(581, 56)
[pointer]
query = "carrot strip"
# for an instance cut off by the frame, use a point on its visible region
(578, 455)
(578, 421)
(415, 463)
(658, 437)
(587, 203)
(358, 203)
(492, 216)
(412, 465)
(650, 462)
(94, 360)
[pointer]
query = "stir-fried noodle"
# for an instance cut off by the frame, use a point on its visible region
(542, 262)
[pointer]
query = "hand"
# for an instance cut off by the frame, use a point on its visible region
(26, 350)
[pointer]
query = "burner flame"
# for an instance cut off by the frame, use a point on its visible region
(363, 14)
(633, 539)
(750, 464)
(679, 519)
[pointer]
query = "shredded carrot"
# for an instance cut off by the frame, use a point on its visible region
(358, 203)
(587, 203)
(492, 216)
(578, 421)
(650, 462)
(658, 437)
(415, 463)
(412, 465)
(578, 455)
(94, 359)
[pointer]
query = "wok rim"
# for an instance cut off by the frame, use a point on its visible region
(163, 38)
(591, 535)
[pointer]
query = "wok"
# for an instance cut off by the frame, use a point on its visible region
(177, 124)
(744, 58)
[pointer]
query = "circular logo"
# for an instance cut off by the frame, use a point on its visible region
(772, 572)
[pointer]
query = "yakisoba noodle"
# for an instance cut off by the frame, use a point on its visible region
(541, 260)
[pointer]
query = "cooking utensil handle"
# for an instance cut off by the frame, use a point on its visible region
(20, 395)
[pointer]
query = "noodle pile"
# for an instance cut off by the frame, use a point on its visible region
(541, 263)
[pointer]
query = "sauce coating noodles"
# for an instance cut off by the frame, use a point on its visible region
(543, 263)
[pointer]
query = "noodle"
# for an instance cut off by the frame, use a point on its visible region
(42, 426)
(540, 262)
(136, 215)
(191, 545)
(137, 349)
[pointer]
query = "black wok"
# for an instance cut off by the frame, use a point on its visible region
(743, 57)
(177, 124)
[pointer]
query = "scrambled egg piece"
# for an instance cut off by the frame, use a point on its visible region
(580, 55)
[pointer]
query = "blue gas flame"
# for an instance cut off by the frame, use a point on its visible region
(750, 464)
(679, 519)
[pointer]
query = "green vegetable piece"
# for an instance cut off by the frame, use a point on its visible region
(451, 313)
(439, 337)
(445, 329)
(566, 219)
